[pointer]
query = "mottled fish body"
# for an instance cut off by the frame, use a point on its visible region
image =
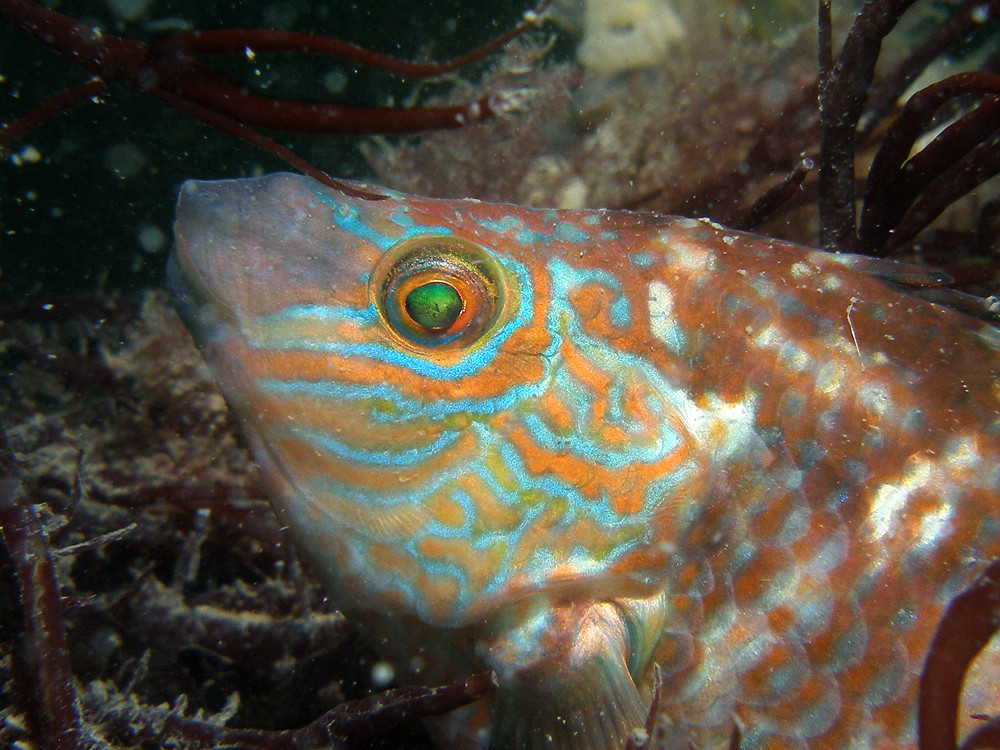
(567, 445)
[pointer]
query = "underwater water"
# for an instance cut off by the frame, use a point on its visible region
(91, 204)
(835, 420)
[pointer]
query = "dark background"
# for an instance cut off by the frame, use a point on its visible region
(70, 223)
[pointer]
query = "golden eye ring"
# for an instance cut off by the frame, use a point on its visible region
(438, 291)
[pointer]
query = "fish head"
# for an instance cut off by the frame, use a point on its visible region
(452, 405)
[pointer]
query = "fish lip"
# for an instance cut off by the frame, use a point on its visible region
(192, 298)
(185, 282)
(181, 295)
(199, 300)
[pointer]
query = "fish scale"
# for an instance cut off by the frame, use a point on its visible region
(631, 440)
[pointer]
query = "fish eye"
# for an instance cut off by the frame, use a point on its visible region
(438, 291)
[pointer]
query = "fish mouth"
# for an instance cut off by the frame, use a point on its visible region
(228, 240)
(204, 230)
(186, 301)
(252, 247)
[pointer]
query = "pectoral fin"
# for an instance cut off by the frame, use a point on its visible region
(564, 681)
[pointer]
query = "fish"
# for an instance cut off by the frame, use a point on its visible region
(578, 447)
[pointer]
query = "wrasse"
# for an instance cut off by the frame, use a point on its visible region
(570, 445)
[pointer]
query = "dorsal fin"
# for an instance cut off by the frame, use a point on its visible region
(897, 272)
(926, 282)
(982, 308)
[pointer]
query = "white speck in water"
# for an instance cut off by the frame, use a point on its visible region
(151, 238)
(167, 25)
(638, 737)
(335, 81)
(129, 9)
(382, 674)
(124, 160)
(27, 155)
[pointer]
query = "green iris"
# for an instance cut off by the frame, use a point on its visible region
(434, 305)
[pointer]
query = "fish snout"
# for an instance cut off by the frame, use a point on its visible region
(254, 247)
